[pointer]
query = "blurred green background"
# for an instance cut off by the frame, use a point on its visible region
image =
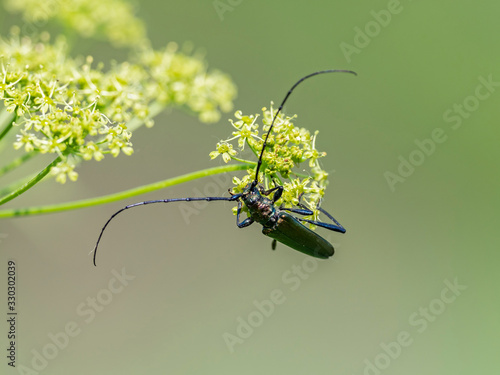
(197, 280)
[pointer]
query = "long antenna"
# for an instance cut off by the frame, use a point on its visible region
(259, 163)
(208, 199)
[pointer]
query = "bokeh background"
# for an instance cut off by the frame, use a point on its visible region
(196, 281)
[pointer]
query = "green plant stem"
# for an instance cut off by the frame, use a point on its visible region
(30, 183)
(254, 163)
(14, 185)
(17, 162)
(122, 195)
(9, 124)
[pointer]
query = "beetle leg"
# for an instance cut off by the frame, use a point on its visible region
(300, 211)
(277, 195)
(336, 228)
(245, 223)
(305, 211)
(331, 217)
(273, 245)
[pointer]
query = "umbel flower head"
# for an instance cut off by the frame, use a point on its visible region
(112, 20)
(181, 79)
(76, 110)
(290, 158)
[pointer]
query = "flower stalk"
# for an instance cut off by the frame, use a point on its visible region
(31, 182)
(123, 194)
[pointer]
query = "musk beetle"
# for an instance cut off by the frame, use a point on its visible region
(277, 222)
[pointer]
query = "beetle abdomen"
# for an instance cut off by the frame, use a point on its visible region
(289, 231)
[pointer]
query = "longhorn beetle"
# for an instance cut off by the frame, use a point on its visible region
(277, 223)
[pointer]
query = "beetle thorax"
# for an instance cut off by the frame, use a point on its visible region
(261, 208)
